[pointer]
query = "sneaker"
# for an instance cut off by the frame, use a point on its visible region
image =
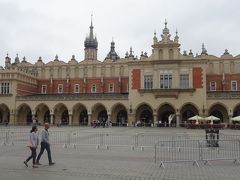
(51, 163)
(37, 163)
(34, 166)
(25, 162)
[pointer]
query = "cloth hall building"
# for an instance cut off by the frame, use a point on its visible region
(121, 90)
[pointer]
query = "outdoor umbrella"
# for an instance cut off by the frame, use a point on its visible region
(212, 118)
(237, 118)
(196, 118)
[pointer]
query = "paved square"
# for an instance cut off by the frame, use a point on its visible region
(117, 162)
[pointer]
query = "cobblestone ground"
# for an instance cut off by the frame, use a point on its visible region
(117, 163)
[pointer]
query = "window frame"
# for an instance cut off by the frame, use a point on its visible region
(236, 88)
(215, 86)
(111, 89)
(44, 87)
(60, 87)
(93, 88)
(148, 81)
(166, 80)
(184, 81)
(76, 88)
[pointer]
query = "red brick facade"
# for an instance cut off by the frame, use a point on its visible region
(136, 79)
(197, 77)
(24, 89)
(102, 85)
(223, 82)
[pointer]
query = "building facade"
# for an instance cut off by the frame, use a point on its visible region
(122, 90)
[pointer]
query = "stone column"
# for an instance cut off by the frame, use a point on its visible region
(131, 119)
(89, 119)
(230, 118)
(70, 120)
(51, 119)
(13, 117)
(109, 118)
(155, 121)
(177, 120)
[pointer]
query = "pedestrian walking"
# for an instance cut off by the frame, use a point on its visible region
(32, 144)
(45, 145)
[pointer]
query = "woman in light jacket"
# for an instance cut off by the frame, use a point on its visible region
(32, 144)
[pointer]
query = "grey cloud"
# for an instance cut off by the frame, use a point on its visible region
(45, 28)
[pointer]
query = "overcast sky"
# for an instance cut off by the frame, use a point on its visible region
(34, 28)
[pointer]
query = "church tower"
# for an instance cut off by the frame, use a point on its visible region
(91, 45)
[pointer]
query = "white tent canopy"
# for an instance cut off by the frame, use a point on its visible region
(212, 118)
(237, 118)
(196, 118)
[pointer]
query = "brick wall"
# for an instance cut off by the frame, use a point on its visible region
(223, 85)
(24, 89)
(197, 77)
(136, 79)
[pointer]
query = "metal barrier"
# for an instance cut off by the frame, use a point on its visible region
(195, 151)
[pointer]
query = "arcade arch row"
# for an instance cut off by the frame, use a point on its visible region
(118, 114)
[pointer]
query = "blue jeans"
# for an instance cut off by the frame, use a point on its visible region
(44, 146)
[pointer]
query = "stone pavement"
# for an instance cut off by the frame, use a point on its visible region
(117, 163)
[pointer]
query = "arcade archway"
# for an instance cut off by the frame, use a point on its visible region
(119, 115)
(188, 111)
(24, 115)
(99, 113)
(4, 114)
(42, 113)
(61, 115)
(80, 115)
(166, 115)
(144, 114)
(219, 111)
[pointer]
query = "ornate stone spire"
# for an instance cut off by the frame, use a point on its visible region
(56, 58)
(39, 59)
(24, 59)
(7, 61)
(155, 40)
(204, 51)
(17, 59)
(176, 38)
(91, 45)
(131, 52)
(91, 41)
(165, 33)
(73, 58)
(165, 30)
(112, 54)
(226, 52)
